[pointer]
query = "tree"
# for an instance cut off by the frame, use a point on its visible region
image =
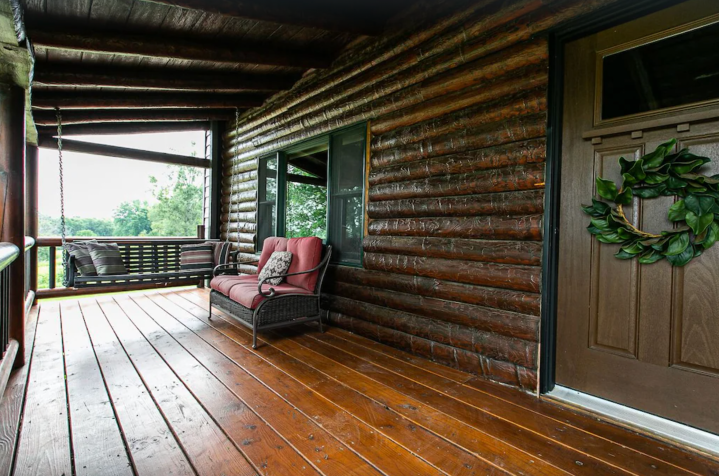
(132, 219)
(178, 210)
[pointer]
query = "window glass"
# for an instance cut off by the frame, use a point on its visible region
(267, 197)
(306, 213)
(347, 182)
(678, 70)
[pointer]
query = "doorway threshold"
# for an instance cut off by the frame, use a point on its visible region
(642, 422)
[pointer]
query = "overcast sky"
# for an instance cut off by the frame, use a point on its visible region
(95, 185)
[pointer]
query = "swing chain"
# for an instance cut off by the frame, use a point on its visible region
(63, 231)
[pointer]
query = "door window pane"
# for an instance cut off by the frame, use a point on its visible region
(347, 183)
(267, 197)
(678, 70)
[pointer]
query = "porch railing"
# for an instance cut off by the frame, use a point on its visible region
(54, 245)
(8, 347)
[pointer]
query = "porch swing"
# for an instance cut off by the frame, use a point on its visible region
(147, 261)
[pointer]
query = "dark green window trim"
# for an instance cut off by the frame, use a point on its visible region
(334, 198)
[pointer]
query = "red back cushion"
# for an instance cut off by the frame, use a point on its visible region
(270, 245)
(306, 254)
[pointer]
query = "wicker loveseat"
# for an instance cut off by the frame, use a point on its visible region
(262, 306)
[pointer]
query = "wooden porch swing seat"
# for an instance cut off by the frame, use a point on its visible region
(261, 306)
(147, 262)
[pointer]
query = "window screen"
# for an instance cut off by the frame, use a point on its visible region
(267, 198)
(346, 223)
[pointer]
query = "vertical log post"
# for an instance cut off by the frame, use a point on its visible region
(31, 210)
(12, 172)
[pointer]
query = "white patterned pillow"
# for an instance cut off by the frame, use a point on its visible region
(278, 263)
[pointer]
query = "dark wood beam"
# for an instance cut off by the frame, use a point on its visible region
(98, 41)
(309, 14)
(74, 99)
(51, 74)
(124, 128)
(47, 118)
(82, 147)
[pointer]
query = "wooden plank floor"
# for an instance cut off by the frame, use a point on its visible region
(146, 384)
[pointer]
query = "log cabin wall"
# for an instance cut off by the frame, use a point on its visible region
(456, 100)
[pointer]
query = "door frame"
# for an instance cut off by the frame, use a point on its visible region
(618, 13)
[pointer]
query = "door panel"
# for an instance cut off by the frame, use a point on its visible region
(646, 336)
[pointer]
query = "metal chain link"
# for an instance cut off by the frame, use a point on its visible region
(63, 230)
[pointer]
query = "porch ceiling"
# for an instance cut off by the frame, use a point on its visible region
(186, 54)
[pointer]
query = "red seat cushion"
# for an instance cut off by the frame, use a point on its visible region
(225, 283)
(247, 295)
(269, 246)
(306, 254)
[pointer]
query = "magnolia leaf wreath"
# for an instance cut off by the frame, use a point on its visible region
(659, 173)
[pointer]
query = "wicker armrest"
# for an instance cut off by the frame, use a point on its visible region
(271, 291)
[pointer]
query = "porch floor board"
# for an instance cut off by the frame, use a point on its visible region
(146, 384)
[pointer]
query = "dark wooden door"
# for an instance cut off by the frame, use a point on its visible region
(645, 336)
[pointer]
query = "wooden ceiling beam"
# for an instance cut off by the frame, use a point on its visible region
(82, 147)
(156, 46)
(109, 128)
(47, 73)
(47, 118)
(74, 99)
(308, 14)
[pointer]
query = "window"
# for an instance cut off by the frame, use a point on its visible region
(316, 189)
(675, 71)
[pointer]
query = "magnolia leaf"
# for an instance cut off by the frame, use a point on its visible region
(625, 198)
(659, 245)
(594, 230)
(650, 257)
(682, 258)
(621, 254)
(712, 235)
(634, 248)
(706, 204)
(685, 167)
(647, 192)
(677, 244)
(692, 204)
(655, 159)
(637, 170)
(674, 182)
(602, 224)
(606, 189)
(699, 223)
(625, 165)
(678, 211)
(656, 178)
(609, 237)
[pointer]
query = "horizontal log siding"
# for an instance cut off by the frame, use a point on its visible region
(457, 106)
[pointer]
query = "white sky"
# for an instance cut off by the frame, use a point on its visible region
(96, 185)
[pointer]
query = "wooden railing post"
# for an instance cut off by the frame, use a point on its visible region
(31, 210)
(12, 180)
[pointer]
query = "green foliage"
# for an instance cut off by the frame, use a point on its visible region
(178, 210)
(131, 219)
(306, 210)
(75, 226)
(660, 173)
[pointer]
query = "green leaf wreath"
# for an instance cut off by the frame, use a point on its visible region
(660, 173)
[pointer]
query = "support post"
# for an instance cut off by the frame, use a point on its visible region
(12, 174)
(216, 130)
(31, 210)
